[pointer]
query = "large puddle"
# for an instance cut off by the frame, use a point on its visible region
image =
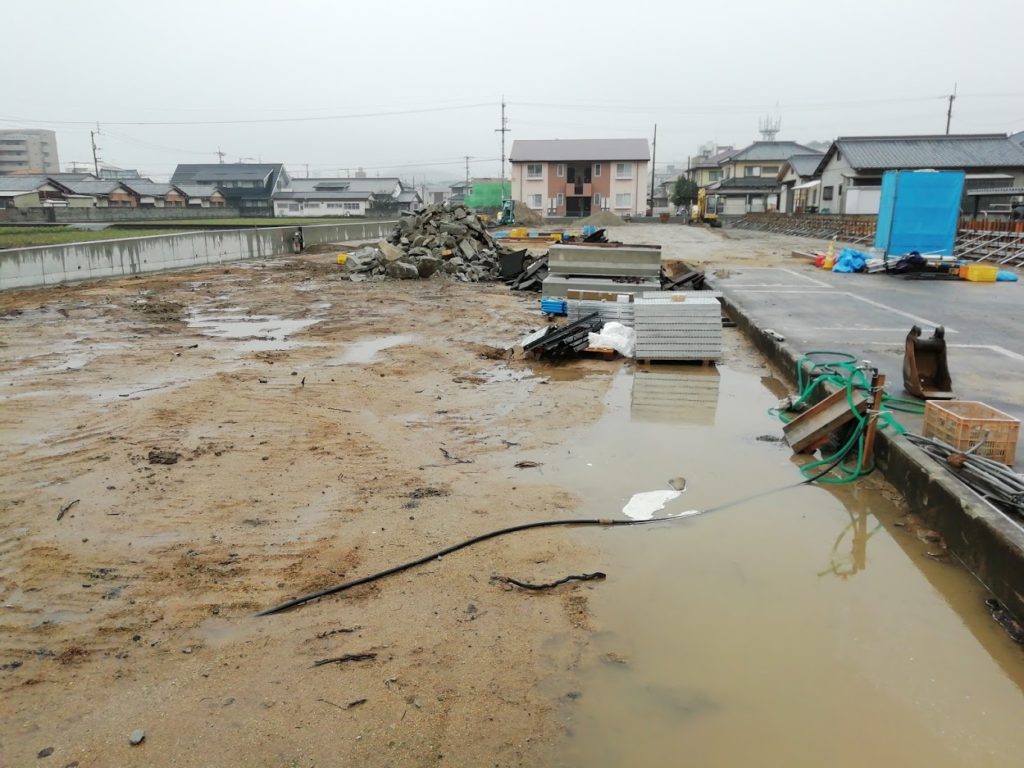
(366, 351)
(801, 629)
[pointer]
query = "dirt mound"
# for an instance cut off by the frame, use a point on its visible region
(526, 215)
(603, 219)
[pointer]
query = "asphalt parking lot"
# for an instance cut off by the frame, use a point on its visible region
(869, 315)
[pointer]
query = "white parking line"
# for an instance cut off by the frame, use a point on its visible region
(743, 272)
(878, 304)
(990, 347)
(813, 280)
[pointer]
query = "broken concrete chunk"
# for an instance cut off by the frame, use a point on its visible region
(402, 270)
(428, 265)
(390, 252)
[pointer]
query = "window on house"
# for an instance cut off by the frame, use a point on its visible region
(312, 205)
(769, 170)
(751, 171)
(840, 190)
(351, 206)
(839, 155)
(597, 169)
(560, 170)
(623, 170)
(826, 193)
(534, 171)
(597, 200)
(623, 200)
(535, 201)
(560, 200)
(714, 175)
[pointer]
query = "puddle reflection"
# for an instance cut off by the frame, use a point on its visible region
(675, 393)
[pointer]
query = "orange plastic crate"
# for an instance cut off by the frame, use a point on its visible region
(964, 423)
(979, 273)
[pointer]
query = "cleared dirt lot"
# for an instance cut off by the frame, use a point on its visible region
(326, 430)
(303, 461)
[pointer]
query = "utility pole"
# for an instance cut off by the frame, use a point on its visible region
(949, 112)
(95, 157)
(220, 156)
(503, 130)
(307, 170)
(467, 173)
(654, 155)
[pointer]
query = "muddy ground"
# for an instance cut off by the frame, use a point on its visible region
(352, 427)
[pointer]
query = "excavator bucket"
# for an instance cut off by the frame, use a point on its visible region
(925, 369)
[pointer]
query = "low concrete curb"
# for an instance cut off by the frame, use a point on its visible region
(988, 545)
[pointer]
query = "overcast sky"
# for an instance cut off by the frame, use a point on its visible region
(567, 70)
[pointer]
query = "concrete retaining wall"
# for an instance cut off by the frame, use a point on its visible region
(100, 215)
(51, 265)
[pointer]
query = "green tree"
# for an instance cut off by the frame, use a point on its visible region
(684, 192)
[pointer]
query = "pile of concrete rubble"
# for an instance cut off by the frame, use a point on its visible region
(440, 239)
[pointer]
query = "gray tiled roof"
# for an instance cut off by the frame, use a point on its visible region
(215, 172)
(713, 161)
(570, 150)
(804, 165)
(771, 150)
(747, 182)
(380, 185)
(72, 176)
(957, 151)
(22, 183)
(92, 187)
(149, 188)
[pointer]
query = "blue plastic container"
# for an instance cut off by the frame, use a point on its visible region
(554, 306)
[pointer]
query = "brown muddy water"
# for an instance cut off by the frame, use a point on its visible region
(801, 629)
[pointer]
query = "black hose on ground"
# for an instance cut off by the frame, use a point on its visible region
(585, 522)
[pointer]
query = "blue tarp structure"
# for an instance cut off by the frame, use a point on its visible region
(919, 211)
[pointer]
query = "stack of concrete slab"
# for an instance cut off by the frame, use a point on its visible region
(607, 269)
(678, 328)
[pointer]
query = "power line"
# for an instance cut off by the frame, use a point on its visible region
(352, 116)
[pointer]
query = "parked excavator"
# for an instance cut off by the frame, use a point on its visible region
(707, 209)
(507, 214)
(925, 367)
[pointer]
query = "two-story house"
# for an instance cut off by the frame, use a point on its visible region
(749, 182)
(577, 177)
(705, 168)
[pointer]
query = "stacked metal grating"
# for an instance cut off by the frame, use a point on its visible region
(668, 329)
(608, 311)
(564, 341)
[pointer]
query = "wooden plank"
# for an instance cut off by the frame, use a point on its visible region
(811, 428)
(877, 389)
